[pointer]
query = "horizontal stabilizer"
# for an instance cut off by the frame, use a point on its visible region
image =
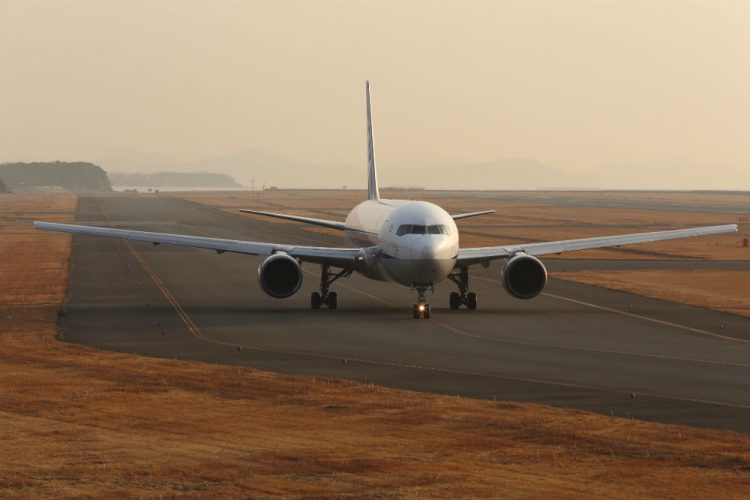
(472, 214)
(306, 220)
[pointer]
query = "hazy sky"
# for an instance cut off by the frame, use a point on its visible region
(627, 89)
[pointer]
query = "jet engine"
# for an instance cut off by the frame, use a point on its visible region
(524, 276)
(280, 275)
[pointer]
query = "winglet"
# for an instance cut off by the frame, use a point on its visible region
(372, 173)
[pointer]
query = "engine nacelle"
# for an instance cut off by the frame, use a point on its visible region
(280, 275)
(524, 276)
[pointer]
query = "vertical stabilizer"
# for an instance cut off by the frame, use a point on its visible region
(372, 173)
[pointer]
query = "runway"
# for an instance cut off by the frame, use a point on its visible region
(576, 346)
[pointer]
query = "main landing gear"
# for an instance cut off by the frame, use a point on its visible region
(461, 278)
(421, 309)
(324, 296)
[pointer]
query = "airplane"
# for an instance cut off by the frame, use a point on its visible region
(412, 243)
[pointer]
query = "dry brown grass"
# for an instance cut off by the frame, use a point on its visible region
(28, 207)
(721, 290)
(518, 222)
(30, 270)
(75, 421)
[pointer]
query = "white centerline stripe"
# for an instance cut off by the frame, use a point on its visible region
(637, 316)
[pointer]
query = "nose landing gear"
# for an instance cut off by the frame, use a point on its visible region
(324, 296)
(421, 309)
(461, 278)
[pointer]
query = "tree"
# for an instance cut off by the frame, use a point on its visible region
(4, 188)
(70, 176)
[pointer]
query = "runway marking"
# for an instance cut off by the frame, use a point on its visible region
(196, 332)
(547, 345)
(647, 318)
(191, 326)
(588, 349)
(636, 316)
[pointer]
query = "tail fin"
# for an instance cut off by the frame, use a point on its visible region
(372, 173)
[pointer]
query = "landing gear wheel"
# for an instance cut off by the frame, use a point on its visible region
(315, 300)
(421, 311)
(460, 277)
(455, 300)
(324, 296)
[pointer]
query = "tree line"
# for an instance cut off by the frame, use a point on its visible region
(69, 176)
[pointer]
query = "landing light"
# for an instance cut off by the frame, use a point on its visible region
(421, 307)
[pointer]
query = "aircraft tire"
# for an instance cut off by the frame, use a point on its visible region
(333, 300)
(455, 300)
(471, 300)
(315, 300)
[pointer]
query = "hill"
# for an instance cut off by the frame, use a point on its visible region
(57, 175)
(267, 168)
(272, 169)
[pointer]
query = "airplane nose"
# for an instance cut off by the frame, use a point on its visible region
(424, 250)
(430, 249)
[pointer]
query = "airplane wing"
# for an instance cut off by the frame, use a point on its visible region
(340, 257)
(307, 220)
(472, 214)
(468, 256)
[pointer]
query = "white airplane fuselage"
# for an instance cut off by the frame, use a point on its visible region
(417, 241)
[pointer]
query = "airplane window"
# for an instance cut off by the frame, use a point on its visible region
(439, 229)
(415, 229)
(403, 229)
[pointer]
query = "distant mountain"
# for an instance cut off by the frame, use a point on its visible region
(511, 173)
(270, 169)
(126, 160)
(69, 176)
(173, 179)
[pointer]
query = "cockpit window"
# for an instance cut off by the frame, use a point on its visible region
(417, 229)
(403, 229)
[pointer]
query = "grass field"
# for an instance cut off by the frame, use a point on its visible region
(77, 422)
(721, 290)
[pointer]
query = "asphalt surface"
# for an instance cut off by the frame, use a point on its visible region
(575, 346)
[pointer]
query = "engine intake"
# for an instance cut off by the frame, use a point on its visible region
(524, 276)
(280, 275)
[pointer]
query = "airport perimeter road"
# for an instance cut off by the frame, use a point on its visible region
(575, 346)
